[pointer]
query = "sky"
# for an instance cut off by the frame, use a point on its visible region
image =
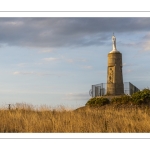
(54, 61)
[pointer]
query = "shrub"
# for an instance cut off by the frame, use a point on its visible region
(141, 97)
(124, 99)
(116, 100)
(97, 101)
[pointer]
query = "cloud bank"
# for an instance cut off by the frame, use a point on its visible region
(66, 32)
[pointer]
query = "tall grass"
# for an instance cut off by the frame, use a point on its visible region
(27, 119)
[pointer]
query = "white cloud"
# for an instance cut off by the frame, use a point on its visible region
(38, 73)
(45, 51)
(127, 71)
(76, 96)
(22, 73)
(50, 59)
(127, 64)
(29, 64)
(16, 72)
(70, 60)
(146, 45)
(13, 23)
(26, 91)
(130, 44)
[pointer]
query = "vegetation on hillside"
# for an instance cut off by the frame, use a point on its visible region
(97, 101)
(141, 97)
(138, 98)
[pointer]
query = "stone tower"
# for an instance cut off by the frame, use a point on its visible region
(114, 73)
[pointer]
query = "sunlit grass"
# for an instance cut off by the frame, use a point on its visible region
(25, 118)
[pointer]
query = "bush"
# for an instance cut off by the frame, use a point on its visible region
(124, 99)
(116, 100)
(97, 101)
(138, 98)
(141, 97)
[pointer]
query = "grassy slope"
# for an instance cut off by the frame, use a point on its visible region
(103, 119)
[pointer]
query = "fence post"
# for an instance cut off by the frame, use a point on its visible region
(9, 106)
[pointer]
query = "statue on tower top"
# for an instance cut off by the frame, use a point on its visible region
(114, 50)
(114, 42)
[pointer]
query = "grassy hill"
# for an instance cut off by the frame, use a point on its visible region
(126, 114)
(105, 119)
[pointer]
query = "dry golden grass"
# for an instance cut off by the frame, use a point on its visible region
(27, 119)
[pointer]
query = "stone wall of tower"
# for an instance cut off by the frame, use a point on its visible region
(114, 74)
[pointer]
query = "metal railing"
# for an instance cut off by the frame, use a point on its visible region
(101, 89)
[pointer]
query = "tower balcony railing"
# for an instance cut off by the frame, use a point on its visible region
(101, 89)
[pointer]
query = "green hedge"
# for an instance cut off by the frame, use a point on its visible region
(97, 101)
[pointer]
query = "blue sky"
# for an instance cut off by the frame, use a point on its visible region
(54, 61)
